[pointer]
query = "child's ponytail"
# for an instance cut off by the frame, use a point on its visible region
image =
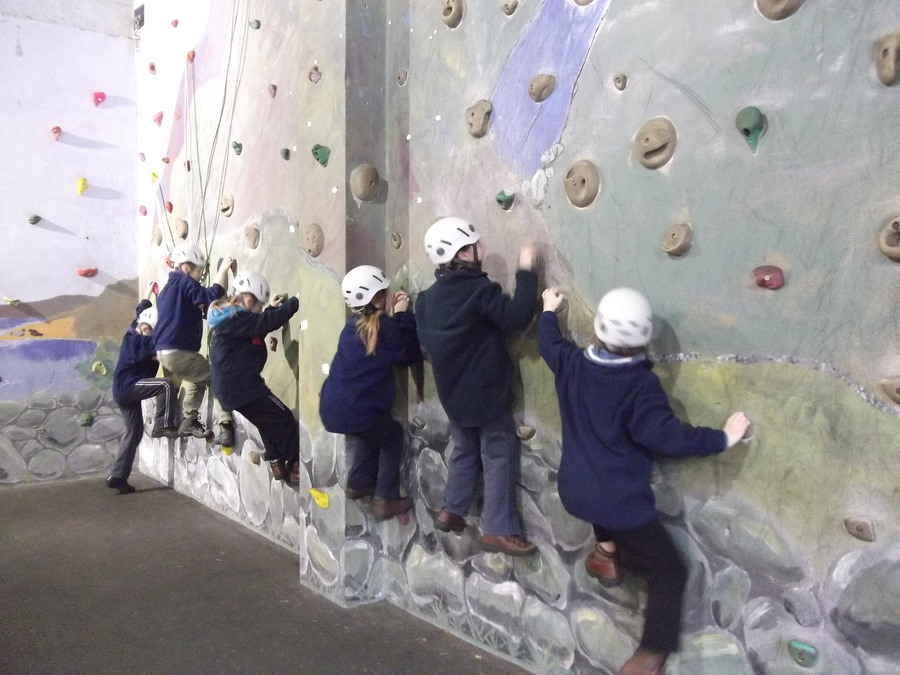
(367, 327)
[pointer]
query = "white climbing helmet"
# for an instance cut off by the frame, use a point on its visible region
(447, 236)
(253, 283)
(149, 317)
(624, 319)
(361, 284)
(187, 253)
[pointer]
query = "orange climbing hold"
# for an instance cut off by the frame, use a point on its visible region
(87, 271)
(169, 207)
(190, 56)
(55, 132)
(158, 118)
(99, 97)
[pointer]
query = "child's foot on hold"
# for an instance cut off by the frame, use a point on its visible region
(120, 485)
(164, 432)
(511, 544)
(225, 438)
(383, 509)
(447, 521)
(279, 472)
(359, 493)
(643, 662)
(293, 474)
(191, 426)
(604, 566)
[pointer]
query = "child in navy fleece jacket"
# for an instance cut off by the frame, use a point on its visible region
(133, 381)
(616, 418)
(359, 392)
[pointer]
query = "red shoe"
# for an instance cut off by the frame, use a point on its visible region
(603, 566)
(511, 544)
(644, 662)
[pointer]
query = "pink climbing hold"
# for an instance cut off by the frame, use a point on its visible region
(86, 271)
(769, 276)
(169, 207)
(55, 132)
(143, 210)
(158, 119)
(154, 288)
(190, 56)
(174, 23)
(99, 97)
(177, 114)
(152, 68)
(142, 156)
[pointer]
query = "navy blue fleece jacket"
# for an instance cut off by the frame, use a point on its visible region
(181, 304)
(615, 418)
(464, 321)
(238, 350)
(137, 358)
(360, 388)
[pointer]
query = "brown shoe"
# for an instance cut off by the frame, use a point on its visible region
(511, 544)
(383, 509)
(643, 662)
(278, 470)
(293, 474)
(447, 521)
(604, 566)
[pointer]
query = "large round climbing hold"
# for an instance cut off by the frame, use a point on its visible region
(226, 204)
(251, 235)
(313, 239)
(364, 182)
(156, 236)
(478, 117)
(655, 142)
(452, 12)
(181, 228)
(509, 6)
(887, 60)
(776, 10)
(541, 86)
(582, 183)
(889, 238)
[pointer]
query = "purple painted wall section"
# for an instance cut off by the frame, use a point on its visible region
(556, 42)
(27, 366)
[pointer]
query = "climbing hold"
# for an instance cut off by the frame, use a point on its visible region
(154, 288)
(525, 433)
(315, 74)
(677, 240)
(417, 423)
(582, 183)
(364, 182)
(85, 419)
(227, 450)
(226, 204)
(769, 276)
(505, 200)
(478, 118)
(99, 97)
(887, 60)
(321, 153)
(174, 23)
(165, 160)
(509, 6)
(540, 87)
(285, 153)
(181, 228)
(86, 271)
(583, 3)
(804, 654)
(752, 124)
(396, 239)
(34, 219)
(237, 147)
(169, 207)
(190, 56)
(12, 302)
(187, 165)
(452, 12)
(81, 185)
(273, 344)
(861, 528)
(620, 81)
(142, 210)
(251, 235)
(158, 118)
(177, 115)
(99, 368)
(273, 90)
(55, 132)
(154, 176)
(152, 68)
(255, 24)
(889, 238)
(313, 239)
(749, 433)
(142, 156)
(319, 497)
(156, 236)
(253, 457)
(655, 142)
(402, 77)
(776, 10)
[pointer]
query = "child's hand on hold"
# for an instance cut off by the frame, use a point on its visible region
(528, 257)
(735, 427)
(554, 300)
(277, 299)
(400, 301)
(231, 264)
(151, 289)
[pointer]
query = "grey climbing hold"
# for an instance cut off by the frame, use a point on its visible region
(34, 219)
(655, 142)
(181, 228)
(237, 147)
(313, 239)
(85, 419)
(752, 124)
(509, 6)
(396, 239)
(255, 24)
(861, 528)
(364, 182)
(285, 153)
(891, 387)
(678, 240)
(887, 60)
(251, 235)
(478, 118)
(525, 433)
(273, 89)
(452, 12)
(620, 81)
(418, 423)
(776, 10)
(541, 86)
(582, 183)
(889, 238)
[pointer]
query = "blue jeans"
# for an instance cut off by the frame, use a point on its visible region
(377, 453)
(494, 448)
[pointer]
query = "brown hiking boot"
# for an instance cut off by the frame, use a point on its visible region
(278, 470)
(447, 521)
(511, 544)
(604, 566)
(293, 474)
(383, 509)
(643, 662)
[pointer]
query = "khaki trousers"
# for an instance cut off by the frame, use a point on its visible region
(191, 371)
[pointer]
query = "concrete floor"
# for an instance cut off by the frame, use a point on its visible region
(96, 582)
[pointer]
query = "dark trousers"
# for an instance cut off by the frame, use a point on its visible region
(377, 453)
(277, 427)
(650, 551)
(166, 416)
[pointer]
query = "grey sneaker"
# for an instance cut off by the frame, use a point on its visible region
(226, 435)
(191, 426)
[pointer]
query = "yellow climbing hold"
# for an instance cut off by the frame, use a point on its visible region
(321, 498)
(154, 176)
(82, 185)
(227, 450)
(100, 368)
(11, 301)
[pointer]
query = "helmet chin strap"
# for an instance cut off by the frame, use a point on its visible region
(474, 264)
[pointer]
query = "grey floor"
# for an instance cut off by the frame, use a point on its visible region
(96, 582)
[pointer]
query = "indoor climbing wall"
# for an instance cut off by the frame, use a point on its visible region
(68, 233)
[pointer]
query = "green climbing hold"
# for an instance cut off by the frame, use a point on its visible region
(237, 147)
(86, 419)
(254, 23)
(34, 219)
(100, 368)
(752, 125)
(285, 153)
(321, 153)
(804, 654)
(505, 201)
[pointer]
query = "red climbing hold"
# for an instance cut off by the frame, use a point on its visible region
(152, 68)
(99, 97)
(169, 207)
(87, 271)
(174, 23)
(154, 288)
(143, 210)
(158, 118)
(190, 56)
(769, 276)
(55, 132)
